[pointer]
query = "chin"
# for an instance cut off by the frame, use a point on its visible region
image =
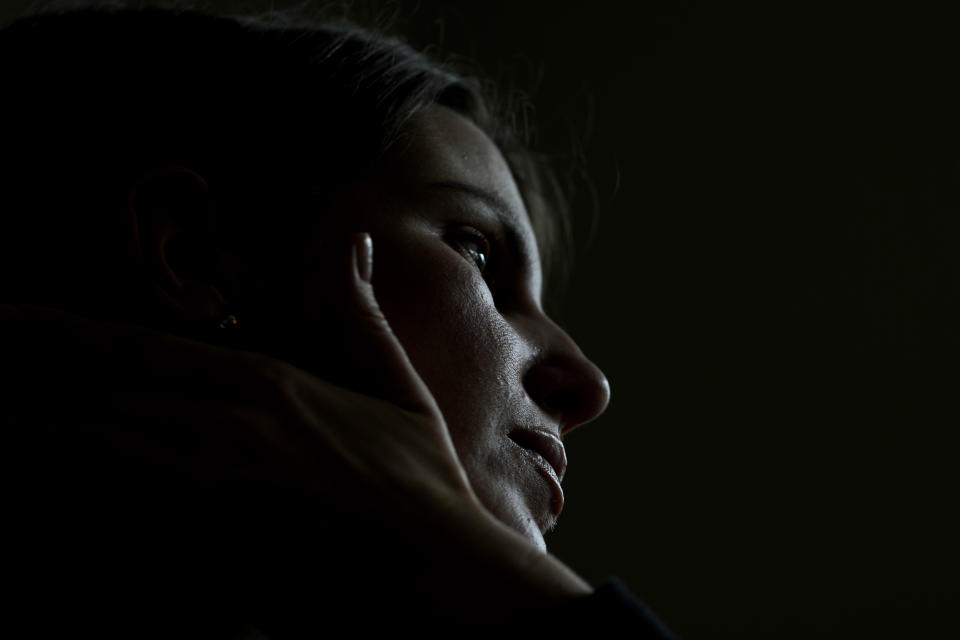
(529, 529)
(539, 541)
(518, 515)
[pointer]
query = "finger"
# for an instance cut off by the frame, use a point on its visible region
(379, 356)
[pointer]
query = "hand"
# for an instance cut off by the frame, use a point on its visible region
(374, 473)
(216, 414)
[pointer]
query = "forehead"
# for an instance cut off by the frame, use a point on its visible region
(444, 148)
(442, 142)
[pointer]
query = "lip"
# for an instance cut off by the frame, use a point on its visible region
(547, 452)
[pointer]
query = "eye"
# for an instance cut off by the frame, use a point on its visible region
(477, 253)
(474, 246)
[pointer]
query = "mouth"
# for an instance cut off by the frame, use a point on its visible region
(549, 456)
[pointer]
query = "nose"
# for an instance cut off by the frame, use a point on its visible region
(565, 383)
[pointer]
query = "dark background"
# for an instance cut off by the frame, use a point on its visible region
(772, 291)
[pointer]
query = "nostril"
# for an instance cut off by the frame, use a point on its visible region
(566, 384)
(572, 392)
(582, 403)
(563, 401)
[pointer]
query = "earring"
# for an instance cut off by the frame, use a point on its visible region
(230, 321)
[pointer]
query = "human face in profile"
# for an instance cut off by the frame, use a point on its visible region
(457, 274)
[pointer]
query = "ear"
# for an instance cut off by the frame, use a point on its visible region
(175, 231)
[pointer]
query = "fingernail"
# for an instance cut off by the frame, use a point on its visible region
(365, 256)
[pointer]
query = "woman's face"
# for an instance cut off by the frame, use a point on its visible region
(456, 272)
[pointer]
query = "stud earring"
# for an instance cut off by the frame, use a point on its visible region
(229, 321)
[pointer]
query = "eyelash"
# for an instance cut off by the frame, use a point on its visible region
(483, 245)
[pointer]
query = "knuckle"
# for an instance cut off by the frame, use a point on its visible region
(374, 316)
(369, 311)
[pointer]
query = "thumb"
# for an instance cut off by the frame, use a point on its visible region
(380, 363)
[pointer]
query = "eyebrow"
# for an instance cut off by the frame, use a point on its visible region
(504, 214)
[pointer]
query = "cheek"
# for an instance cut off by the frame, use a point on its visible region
(444, 317)
(429, 290)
